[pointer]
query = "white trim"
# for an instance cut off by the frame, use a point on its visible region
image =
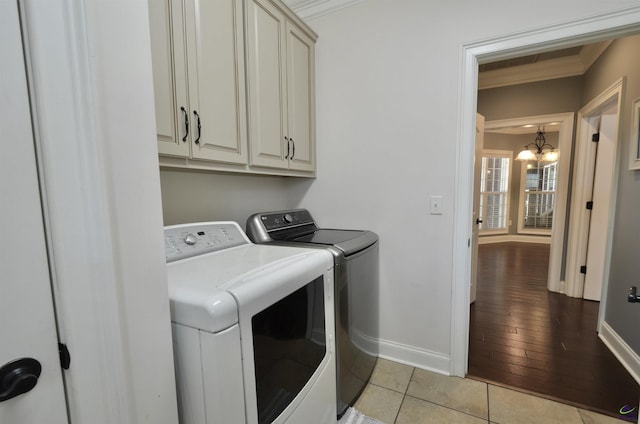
(59, 73)
(505, 154)
(562, 67)
(516, 238)
(522, 230)
(463, 197)
(102, 206)
(583, 182)
(590, 53)
(634, 138)
(311, 9)
(409, 355)
(549, 69)
(625, 354)
(582, 31)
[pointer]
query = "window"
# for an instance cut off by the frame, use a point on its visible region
(494, 191)
(537, 197)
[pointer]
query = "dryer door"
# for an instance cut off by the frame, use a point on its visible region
(288, 338)
(289, 343)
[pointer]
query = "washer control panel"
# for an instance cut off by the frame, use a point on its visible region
(278, 220)
(185, 241)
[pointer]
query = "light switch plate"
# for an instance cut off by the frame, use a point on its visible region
(436, 205)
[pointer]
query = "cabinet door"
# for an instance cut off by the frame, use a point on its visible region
(266, 84)
(169, 75)
(301, 99)
(215, 45)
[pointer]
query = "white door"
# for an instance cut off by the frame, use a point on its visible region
(475, 225)
(594, 181)
(27, 321)
(602, 200)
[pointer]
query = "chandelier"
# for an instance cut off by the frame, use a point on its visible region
(538, 150)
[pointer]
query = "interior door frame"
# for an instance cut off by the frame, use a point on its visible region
(107, 263)
(587, 30)
(582, 192)
(475, 224)
(565, 147)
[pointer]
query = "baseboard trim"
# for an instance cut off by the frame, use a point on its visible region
(419, 358)
(513, 238)
(627, 357)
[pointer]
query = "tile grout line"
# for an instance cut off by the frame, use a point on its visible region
(404, 395)
(437, 404)
(444, 406)
(488, 405)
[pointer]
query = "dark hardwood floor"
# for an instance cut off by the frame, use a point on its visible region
(525, 337)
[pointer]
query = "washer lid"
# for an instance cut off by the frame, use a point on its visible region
(324, 236)
(349, 241)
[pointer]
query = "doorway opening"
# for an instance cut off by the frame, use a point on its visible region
(509, 134)
(565, 35)
(522, 334)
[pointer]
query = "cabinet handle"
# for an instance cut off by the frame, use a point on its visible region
(186, 123)
(293, 151)
(197, 140)
(287, 140)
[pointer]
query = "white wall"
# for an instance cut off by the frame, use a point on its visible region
(200, 196)
(387, 110)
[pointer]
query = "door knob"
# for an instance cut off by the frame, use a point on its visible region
(18, 377)
(478, 221)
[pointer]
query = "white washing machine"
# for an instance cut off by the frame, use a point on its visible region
(253, 328)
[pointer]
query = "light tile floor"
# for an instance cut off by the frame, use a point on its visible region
(400, 394)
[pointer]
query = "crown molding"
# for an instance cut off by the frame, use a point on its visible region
(591, 52)
(563, 67)
(311, 9)
(547, 127)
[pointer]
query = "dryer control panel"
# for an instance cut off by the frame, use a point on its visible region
(185, 241)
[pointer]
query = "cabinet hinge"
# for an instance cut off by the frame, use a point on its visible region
(583, 269)
(65, 357)
(590, 205)
(595, 137)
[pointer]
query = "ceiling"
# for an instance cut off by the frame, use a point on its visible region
(530, 59)
(539, 67)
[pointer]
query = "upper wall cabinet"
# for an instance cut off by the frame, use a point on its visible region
(214, 114)
(199, 79)
(281, 84)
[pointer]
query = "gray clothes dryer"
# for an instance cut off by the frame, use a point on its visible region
(356, 287)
